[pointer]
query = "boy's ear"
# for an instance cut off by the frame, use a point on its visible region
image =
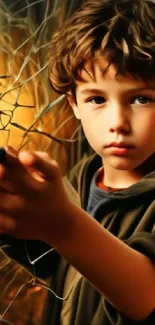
(74, 105)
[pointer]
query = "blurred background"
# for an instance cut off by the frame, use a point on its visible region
(32, 117)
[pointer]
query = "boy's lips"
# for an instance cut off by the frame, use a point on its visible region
(119, 145)
(119, 148)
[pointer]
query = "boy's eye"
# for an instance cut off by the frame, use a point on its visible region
(141, 100)
(96, 100)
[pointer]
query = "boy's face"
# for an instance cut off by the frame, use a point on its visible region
(118, 116)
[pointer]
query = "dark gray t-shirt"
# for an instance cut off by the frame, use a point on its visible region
(98, 198)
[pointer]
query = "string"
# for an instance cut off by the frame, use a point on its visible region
(32, 263)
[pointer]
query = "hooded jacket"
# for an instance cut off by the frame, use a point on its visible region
(128, 214)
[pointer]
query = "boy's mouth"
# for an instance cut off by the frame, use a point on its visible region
(119, 148)
(119, 145)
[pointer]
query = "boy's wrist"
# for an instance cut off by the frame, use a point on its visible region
(61, 230)
(62, 220)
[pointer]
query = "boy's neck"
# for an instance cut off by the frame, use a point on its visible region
(124, 178)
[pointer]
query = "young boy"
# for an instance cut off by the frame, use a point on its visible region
(103, 59)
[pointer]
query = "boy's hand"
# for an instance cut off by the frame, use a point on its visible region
(33, 201)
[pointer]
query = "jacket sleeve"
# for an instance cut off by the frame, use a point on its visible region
(144, 242)
(117, 318)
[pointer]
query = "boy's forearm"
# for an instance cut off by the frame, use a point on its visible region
(124, 276)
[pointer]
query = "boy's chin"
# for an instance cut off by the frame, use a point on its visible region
(119, 163)
(124, 164)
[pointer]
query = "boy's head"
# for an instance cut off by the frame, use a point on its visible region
(104, 60)
(121, 30)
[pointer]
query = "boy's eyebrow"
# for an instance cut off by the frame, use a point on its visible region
(130, 90)
(137, 89)
(93, 91)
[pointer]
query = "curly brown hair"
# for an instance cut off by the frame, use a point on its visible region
(123, 29)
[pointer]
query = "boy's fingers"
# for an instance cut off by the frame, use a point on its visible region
(42, 163)
(10, 156)
(11, 151)
(11, 204)
(13, 176)
(21, 170)
(7, 224)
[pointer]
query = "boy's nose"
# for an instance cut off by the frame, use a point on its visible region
(119, 122)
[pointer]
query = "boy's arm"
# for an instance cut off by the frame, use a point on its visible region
(125, 276)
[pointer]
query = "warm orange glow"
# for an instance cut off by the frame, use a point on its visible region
(32, 98)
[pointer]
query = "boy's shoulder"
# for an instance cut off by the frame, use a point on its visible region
(84, 170)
